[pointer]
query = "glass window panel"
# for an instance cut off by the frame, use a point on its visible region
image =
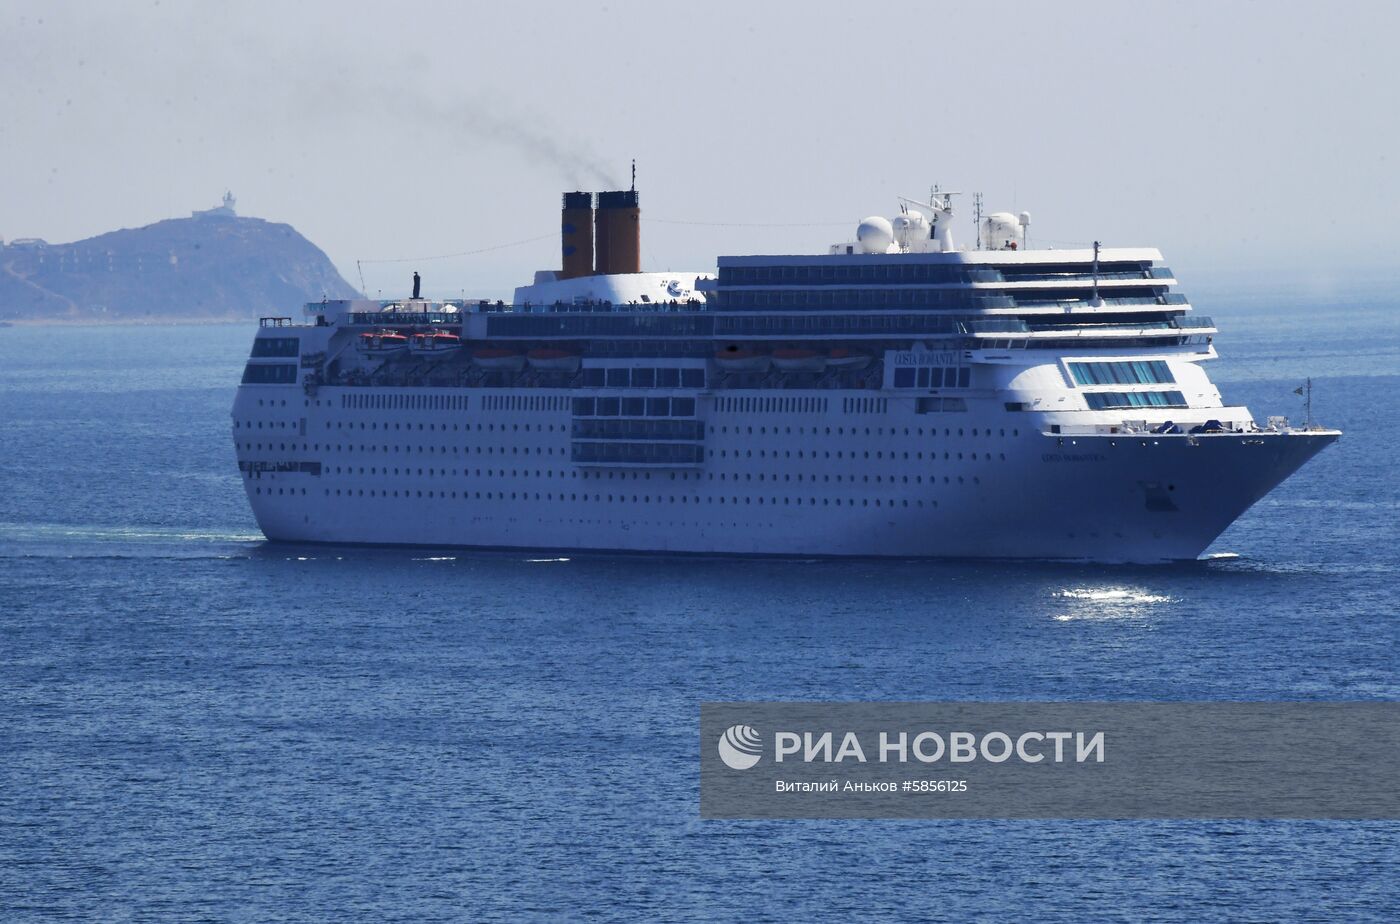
(276, 374)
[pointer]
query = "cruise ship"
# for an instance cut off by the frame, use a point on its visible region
(899, 395)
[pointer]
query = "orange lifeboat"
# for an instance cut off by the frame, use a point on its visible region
(548, 360)
(434, 343)
(382, 342)
(494, 359)
(850, 360)
(799, 360)
(734, 359)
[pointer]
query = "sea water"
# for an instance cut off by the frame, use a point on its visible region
(198, 725)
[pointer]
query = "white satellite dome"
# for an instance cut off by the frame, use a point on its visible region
(1003, 231)
(910, 228)
(875, 234)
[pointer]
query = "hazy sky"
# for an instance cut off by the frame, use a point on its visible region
(1257, 135)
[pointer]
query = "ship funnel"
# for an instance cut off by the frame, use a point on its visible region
(618, 233)
(576, 235)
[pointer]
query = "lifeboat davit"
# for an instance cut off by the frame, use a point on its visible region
(547, 360)
(433, 343)
(847, 359)
(799, 360)
(497, 359)
(733, 359)
(383, 342)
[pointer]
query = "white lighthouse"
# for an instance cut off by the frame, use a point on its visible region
(222, 211)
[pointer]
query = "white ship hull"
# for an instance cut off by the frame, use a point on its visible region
(893, 397)
(894, 483)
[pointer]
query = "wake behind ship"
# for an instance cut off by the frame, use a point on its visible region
(896, 396)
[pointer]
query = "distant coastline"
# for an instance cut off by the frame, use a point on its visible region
(126, 322)
(213, 267)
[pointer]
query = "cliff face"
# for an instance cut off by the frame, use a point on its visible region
(205, 267)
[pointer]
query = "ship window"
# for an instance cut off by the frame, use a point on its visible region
(1133, 372)
(668, 378)
(643, 378)
(276, 346)
(617, 378)
(1101, 400)
(269, 374)
(904, 378)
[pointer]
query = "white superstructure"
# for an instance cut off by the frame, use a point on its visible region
(895, 396)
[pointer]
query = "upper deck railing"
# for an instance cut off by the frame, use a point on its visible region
(387, 317)
(454, 311)
(930, 275)
(416, 319)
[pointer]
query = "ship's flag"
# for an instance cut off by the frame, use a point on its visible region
(1298, 390)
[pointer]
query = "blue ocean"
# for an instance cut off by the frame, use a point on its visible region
(196, 725)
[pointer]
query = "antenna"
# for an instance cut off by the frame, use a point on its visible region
(1095, 301)
(977, 216)
(939, 212)
(634, 174)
